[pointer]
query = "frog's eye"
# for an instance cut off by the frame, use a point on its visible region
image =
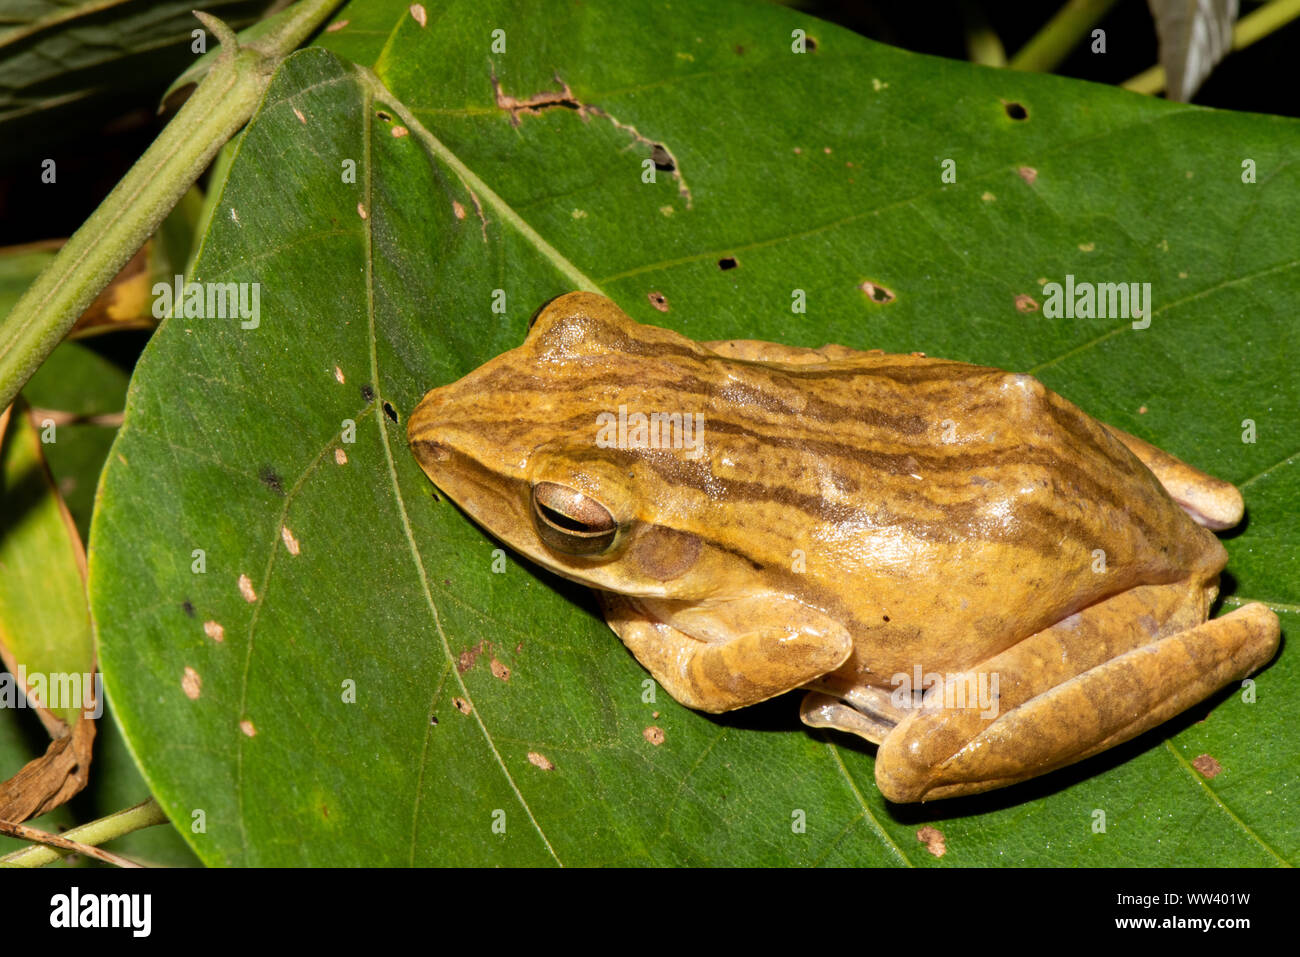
(571, 522)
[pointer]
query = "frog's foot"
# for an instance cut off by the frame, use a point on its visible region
(1211, 502)
(1095, 680)
(727, 673)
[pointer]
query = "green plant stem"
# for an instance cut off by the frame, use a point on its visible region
(1249, 29)
(1052, 44)
(983, 45)
(220, 105)
(145, 814)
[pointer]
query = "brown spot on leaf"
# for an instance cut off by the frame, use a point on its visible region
(400, 131)
(541, 761)
(933, 840)
(340, 457)
(457, 209)
(654, 734)
(1209, 768)
(658, 300)
(270, 479)
(214, 631)
(418, 14)
(247, 727)
(191, 684)
(1028, 174)
(361, 211)
(499, 670)
(463, 706)
(298, 113)
(336, 26)
(468, 657)
(876, 292)
(1142, 410)
(187, 606)
(290, 542)
(338, 375)
(246, 589)
(1026, 303)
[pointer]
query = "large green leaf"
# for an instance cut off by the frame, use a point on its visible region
(330, 560)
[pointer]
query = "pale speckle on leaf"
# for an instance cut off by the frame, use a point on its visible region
(246, 589)
(418, 14)
(192, 684)
(290, 542)
(541, 761)
(340, 457)
(214, 630)
(933, 840)
(654, 734)
(247, 727)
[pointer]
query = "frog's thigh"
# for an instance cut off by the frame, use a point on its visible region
(1212, 502)
(1055, 706)
(718, 676)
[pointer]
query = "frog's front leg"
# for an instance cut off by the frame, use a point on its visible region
(733, 662)
(1094, 680)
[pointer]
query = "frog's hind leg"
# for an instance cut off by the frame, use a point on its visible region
(1211, 502)
(1092, 681)
(727, 673)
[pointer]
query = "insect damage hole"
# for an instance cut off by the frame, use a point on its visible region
(727, 262)
(390, 411)
(384, 115)
(876, 292)
(662, 159)
(1015, 110)
(658, 300)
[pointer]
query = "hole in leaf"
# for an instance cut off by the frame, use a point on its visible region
(663, 162)
(727, 262)
(384, 115)
(877, 293)
(390, 412)
(1016, 111)
(809, 44)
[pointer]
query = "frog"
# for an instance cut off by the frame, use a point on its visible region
(758, 518)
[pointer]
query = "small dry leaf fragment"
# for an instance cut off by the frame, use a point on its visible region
(418, 13)
(1209, 768)
(246, 589)
(340, 457)
(1028, 174)
(1026, 303)
(541, 761)
(298, 113)
(214, 630)
(400, 131)
(1142, 410)
(338, 374)
(361, 211)
(458, 209)
(462, 705)
(290, 542)
(499, 670)
(654, 734)
(933, 840)
(246, 726)
(191, 684)
(336, 26)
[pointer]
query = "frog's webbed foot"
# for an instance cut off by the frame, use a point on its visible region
(721, 675)
(1211, 502)
(1092, 681)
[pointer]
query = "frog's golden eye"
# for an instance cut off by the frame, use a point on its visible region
(571, 522)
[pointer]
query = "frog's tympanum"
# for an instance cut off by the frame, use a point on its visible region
(954, 562)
